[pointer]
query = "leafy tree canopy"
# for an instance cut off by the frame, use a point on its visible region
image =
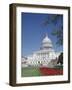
(57, 21)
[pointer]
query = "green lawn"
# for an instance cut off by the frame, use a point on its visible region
(30, 71)
(36, 71)
(59, 67)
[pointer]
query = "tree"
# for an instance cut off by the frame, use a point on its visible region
(57, 21)
(60, 59)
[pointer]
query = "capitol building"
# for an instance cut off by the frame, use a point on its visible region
(45, 57)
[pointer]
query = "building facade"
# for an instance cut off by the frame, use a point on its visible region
(45, 57)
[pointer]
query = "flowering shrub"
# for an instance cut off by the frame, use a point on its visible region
(51, 71)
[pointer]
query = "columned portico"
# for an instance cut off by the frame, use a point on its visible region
(43, 56)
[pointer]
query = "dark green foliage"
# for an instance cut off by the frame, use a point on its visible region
(57, 22)
(59, 35)
(60, 59)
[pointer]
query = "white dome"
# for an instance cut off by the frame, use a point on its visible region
(46, 40)
(46, 43)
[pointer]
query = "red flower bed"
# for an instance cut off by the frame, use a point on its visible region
(51, 71)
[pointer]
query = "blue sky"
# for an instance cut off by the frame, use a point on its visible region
(33, 31)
